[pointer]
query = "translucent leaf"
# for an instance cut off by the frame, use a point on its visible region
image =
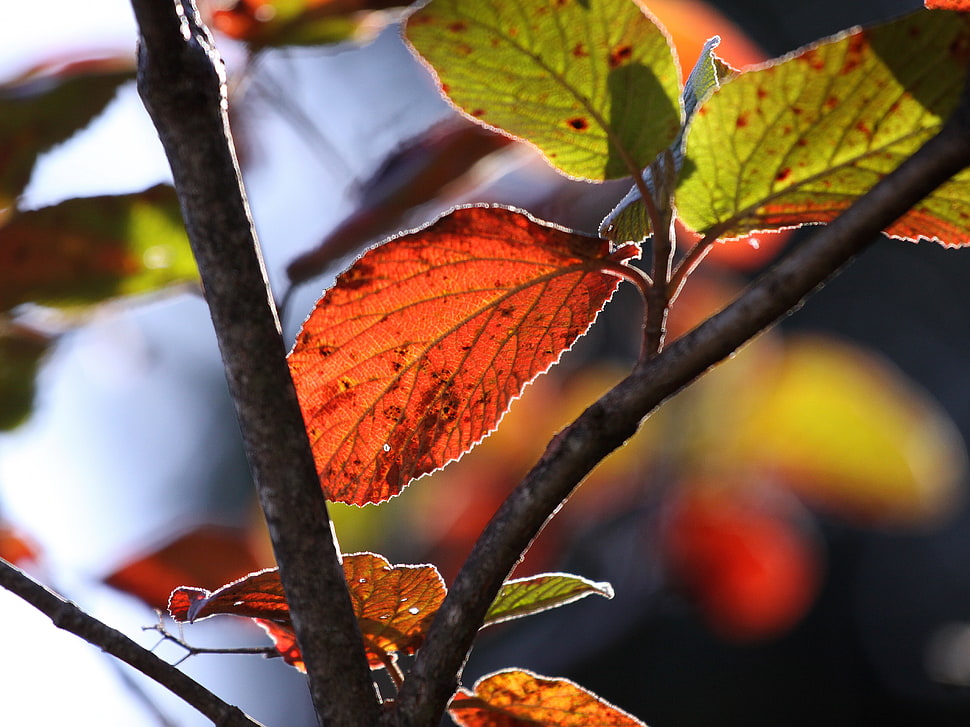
(592, 83)
(526, 596)
(417, 351)
(45, 107)
(628, 220)
(88, 250)
(798, 141)
(394, 605)
(517, 698)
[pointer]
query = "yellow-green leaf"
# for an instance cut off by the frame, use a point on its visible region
(798, 141)
(526, 596)
(592, 83)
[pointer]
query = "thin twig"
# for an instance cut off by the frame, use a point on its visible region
(182, 82)
(609, 422)
(69, 617)
(268, 652)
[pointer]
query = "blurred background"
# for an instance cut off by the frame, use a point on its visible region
(788, 540)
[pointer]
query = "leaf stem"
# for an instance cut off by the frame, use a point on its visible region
(616, 416)
(691, 260)
(69, 617)
(658, 304)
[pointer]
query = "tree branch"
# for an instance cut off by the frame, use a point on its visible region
(69, 617)
(609, 422)
(181, 81)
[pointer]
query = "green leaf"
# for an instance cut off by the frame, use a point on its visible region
(87, 250)
(628, 221)
(797, 142)
(21, 351)
(40, 110)
(592, 83)
(526, 596)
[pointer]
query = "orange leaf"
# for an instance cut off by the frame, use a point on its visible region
(414, 355)
(15, 547)
(207, 555)
(394, 605)
(516, 698)
(962, 5)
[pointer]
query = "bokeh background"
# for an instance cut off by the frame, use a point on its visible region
(788, 541)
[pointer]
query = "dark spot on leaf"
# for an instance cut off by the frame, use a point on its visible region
(477, 113)
(578, 123)
(863, 128)
(831, 102)
(579, 51)
(742, 121)
(762, 93)
(458, 27)
(783, 174)
(620, 55)
(325, 351)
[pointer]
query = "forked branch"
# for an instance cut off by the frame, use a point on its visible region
(609, 422)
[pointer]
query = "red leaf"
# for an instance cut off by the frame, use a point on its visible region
(414, 355)
(257, 595)
(516, 698)
(15, 547)
(394, 605)
(962, 5)
(207, 555)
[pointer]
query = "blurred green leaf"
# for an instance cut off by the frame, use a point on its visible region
(592, 83)
(87, 250)
(799, 141)
(21, 352)
(526, 596)
(41, 109)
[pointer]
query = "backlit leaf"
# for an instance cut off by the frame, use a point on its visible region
(517, 698)
(416, 352)
(87, 250)
(526, 596)
(268, 23)
(592, 83)
(45, 107)
(797, 142)
(394, 605)
(15, 546)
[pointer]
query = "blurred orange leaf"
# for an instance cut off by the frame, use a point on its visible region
(962, 5)
(152, 577)
(15, 547)
(517, 698)
(416, 352)
(754, 568)
(394, 605)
